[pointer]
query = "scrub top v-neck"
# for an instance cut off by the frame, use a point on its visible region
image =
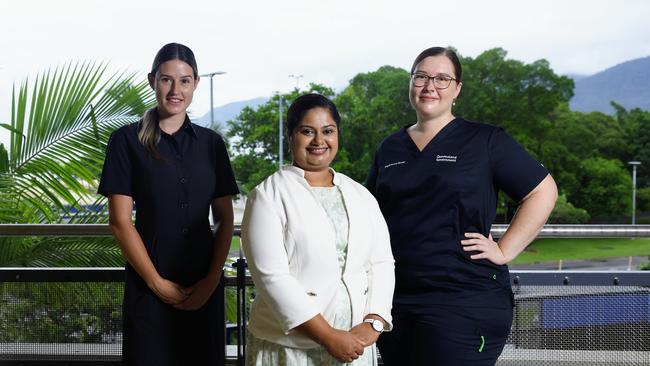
(408, 142)
(430, 198)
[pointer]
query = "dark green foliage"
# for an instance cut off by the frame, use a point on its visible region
(373, 106)
(509, 93)
(636, 126)
(529, 100)
(605, 187)
(565, 213)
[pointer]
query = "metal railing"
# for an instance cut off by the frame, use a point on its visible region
(553, 323)
(548, 231)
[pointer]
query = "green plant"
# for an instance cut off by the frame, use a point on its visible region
(60, 125)
(58, 138)
(565, 213)
(59, 128)
(645, 266)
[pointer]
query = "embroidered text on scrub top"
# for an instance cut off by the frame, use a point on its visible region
(449, 158)
(393, 164)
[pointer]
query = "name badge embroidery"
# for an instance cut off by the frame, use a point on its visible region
(449, 158)
(393, 164)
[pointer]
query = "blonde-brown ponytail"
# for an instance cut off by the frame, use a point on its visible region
(149, 132)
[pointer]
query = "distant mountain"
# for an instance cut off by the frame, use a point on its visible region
(627, 84)
(227, 112)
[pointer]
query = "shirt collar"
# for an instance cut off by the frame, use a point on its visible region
(187, 127)
(301, 173)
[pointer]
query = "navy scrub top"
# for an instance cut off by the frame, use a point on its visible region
(430, 198)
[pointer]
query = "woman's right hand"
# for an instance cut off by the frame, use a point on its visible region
(169, 292)
(342, 345)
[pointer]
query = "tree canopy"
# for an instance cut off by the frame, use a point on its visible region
(586, 153)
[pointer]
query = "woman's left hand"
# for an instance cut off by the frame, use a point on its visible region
(365, 334)
(486, 247)
(201, 292)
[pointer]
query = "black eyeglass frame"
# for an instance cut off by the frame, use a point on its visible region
(441, 77)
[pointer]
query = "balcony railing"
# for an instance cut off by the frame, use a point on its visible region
(71, 316)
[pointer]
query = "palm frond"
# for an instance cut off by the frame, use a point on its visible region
(59, 132)
(73, 252)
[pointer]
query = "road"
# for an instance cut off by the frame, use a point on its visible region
(605, 264)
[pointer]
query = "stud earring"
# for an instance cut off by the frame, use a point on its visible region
(454, 102)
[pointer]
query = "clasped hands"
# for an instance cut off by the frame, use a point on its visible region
(184, 298)
(347, 346)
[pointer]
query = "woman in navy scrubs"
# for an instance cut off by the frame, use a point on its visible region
(174, 171)
(437, 182)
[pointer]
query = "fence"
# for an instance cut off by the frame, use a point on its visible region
(71, 316)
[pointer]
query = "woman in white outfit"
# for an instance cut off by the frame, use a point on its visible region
(319, 253)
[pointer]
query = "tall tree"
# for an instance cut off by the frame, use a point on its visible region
(605, 188)
(635, 123)
(509, 93)
(372, 106)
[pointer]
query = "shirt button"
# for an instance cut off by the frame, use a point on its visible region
(183, 180)
(185, 230)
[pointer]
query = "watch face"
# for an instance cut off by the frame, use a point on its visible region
(378, 326)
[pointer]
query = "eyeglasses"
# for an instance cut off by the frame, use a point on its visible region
(440, 81)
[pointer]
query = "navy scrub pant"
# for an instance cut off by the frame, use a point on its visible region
(441, 335)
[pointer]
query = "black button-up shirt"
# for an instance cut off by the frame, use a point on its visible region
(172, 195)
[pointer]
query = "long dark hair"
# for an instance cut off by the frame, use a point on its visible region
(149, 132)
(445, 51)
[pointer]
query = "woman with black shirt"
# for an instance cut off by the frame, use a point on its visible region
(173, 171)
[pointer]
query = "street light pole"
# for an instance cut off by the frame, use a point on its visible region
(211, 75)
(297, 78)
(280, 135)
(634, 165)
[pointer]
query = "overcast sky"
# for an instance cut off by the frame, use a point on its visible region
(259, 43)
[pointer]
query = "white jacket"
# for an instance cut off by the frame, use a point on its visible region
(290, 247)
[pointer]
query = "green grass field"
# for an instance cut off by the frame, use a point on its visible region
(234, 244)
(552, 250)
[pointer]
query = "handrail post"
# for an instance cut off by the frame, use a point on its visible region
(220, 294)
(241, 265)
